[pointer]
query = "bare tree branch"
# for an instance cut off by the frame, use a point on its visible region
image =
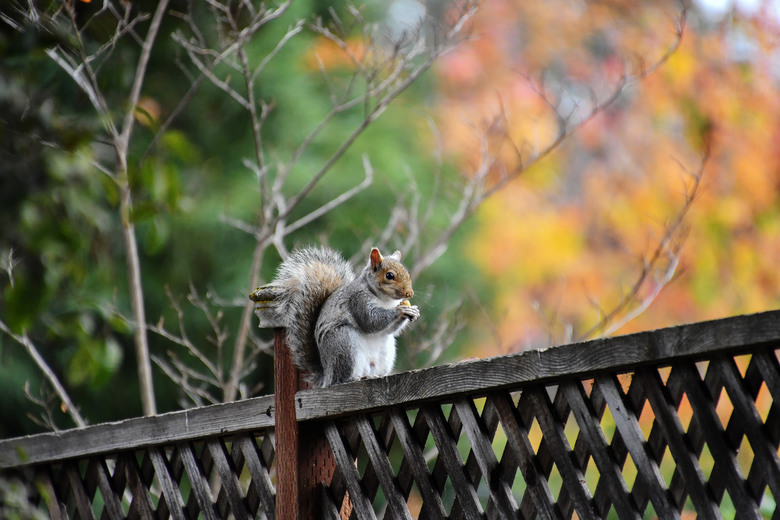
(48, 373)
(623, 312)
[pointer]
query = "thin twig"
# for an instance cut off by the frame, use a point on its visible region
(48, 373)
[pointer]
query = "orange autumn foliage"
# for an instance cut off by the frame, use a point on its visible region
(566, 240)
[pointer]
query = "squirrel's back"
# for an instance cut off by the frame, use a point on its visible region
(303, 282)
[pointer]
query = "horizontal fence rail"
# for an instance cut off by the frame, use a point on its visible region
(657, 424)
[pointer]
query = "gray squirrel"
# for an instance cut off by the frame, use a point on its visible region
(339, 326)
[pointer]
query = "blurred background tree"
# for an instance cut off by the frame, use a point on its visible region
(585, 224)
(574, 135)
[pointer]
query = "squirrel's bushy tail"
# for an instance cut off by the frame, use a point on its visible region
(302, 284)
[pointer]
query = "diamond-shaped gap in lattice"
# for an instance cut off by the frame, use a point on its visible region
(607, 424)
(535, 434)
(555, 482)
(702, 367)
(706, 462)
(629, 472)
(519, 486)
(663, 373)
(625, 381)
(571, 429)
(646, 419)
(688, 509)
(587, 386)
(768, 504)
(414, 501)
(685, 412)
(727, 508)
(724, 408)
(592, 475)
(764, 402)
(667, 467)
(464, 446)
(448, 496)
(742, 362)
(745, 456)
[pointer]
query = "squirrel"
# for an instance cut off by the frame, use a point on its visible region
(340, 326)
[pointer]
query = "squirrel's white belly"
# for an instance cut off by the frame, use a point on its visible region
(375, 356)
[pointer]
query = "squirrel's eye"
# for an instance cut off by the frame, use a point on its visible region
(390, 275)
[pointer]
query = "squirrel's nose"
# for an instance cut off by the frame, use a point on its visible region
(409, 293)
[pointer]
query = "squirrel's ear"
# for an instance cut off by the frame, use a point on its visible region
(376, 258)
(396, 256)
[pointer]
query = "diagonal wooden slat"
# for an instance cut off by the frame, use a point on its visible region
(703, 406)
(765, 455)
(415, 459)
(141, 505)
(198, 482)
(229, 478)
(538, 488)
(609, 471)
(573, 479)
(112, 506)
(55, 506)
(83, 503)
(647, 468)
(345, 463)
(754, 379)
(385, 434)
(683, 453)
(384, 472)
(486, 458)
(448, 453)
(261, 480)
(170, 490)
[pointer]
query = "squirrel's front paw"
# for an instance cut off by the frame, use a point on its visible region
(410, 312)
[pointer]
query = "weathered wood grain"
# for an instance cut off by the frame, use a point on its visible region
(169, 488)
(384, 471)
(250, 414)
(712, 430)
(229, 479)
(486, 459)
(416, 462)
(647, 467)
(83, 503)
(580, 360)
(261, 480)
(448, 454)
(560, 450)
(609, 471)
(346, 463)
(747, 415)
(198, 482)
(538, 489)
(687, 463)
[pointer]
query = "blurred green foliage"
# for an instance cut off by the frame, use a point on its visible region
(59, 218)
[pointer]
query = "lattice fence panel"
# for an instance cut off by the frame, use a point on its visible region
(219, 477)
(692, 438)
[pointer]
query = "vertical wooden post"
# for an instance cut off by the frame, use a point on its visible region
(285, 385)
(303, 456)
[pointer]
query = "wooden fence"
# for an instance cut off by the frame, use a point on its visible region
(665, 423)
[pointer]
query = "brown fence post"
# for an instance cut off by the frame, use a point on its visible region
(303, 456)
